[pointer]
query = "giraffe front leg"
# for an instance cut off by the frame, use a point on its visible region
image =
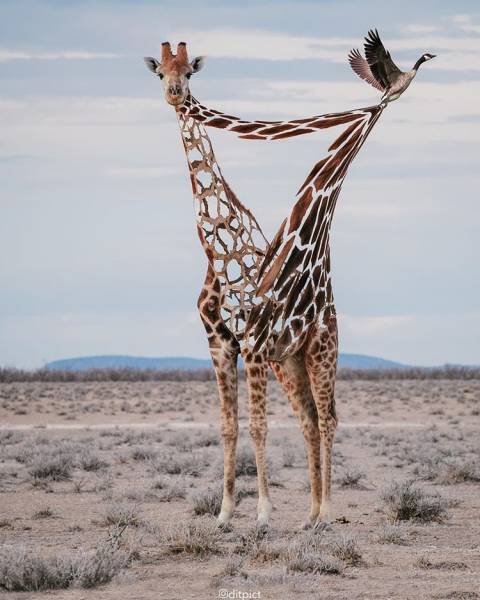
(256, 368)
(327, 426)
(225, 364)
(321, 354)
(224, 350)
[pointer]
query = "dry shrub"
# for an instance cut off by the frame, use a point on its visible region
(207, 502)
(121, 515)
(351, 478)
(169, 489)
(30, 570)
(199, 537)
(392, 534)
(405, 501)
(308, 555)
(52, 467)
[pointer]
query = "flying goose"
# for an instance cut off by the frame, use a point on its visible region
(379, 69)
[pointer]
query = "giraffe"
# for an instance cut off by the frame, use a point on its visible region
(270, 303)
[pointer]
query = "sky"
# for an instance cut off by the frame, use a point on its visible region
(98, 246)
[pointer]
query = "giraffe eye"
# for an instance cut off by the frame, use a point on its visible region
(188, 75)
(160, 75)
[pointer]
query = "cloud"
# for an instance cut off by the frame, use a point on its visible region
(274, 46)
(465, 23)
(412, 339)
(266, 45)
(420, 28)
(46, 337)
(143, 172)
(11, 55)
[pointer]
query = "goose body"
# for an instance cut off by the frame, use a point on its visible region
(379, 70)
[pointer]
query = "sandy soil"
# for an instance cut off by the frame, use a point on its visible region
(148, 454)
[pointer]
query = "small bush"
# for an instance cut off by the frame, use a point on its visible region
(459, 471)
(246, 464)
(288, 456)
(178, 464)
(121, 515)
(447, 470)
(207, 439)
(43, 513)
(425, 563)
(346, 549)
(309, 554)
(53, 467)
(207, 502)
(392, 534)
(233, 565)
(89, 461)
(142, 453)
(404, 501)
(169, 489)
(23, 570)
(198, 537)
(351, 478)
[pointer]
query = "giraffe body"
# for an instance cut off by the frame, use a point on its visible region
(271, 303)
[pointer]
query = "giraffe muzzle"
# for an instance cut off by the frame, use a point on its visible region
(175, 90)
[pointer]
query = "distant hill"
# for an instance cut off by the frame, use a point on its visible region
(185, 363)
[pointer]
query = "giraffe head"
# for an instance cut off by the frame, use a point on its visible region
(174, 70)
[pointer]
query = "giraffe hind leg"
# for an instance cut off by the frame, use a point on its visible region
(293, 378)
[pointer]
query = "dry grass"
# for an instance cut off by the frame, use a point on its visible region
(12, 375)
(31, 570)
(43, 513)
(351, 478)
(208, 502)
(392, 534)
(168, 489)
(121, 515)
(405, 501)
(309, 555)
(444, 565)
(55, 468)
(199, 537)
(346, 549)
(171, 474)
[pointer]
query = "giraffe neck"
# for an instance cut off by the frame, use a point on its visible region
(230, 235)
(269, 130)
(293, 285)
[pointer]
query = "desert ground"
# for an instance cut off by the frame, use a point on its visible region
(108, 490)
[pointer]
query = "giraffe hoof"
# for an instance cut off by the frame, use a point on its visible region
(311, 519)
(308, 524)
(223, 519)
(224, 527)
(262, 526)
(321, 526)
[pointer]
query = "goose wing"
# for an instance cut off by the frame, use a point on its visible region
(379, 60)
(361, 67)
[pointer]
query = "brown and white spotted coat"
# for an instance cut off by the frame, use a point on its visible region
(271, 303)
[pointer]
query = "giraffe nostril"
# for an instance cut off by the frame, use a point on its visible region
(175, 90)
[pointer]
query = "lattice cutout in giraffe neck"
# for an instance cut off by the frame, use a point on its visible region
(229, 233)
(294, 284)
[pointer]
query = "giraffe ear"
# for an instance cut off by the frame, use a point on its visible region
(152, 64)
(197, 63)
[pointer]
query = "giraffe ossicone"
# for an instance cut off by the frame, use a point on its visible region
(270, 302)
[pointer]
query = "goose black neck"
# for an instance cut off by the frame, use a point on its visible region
(418, 63)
